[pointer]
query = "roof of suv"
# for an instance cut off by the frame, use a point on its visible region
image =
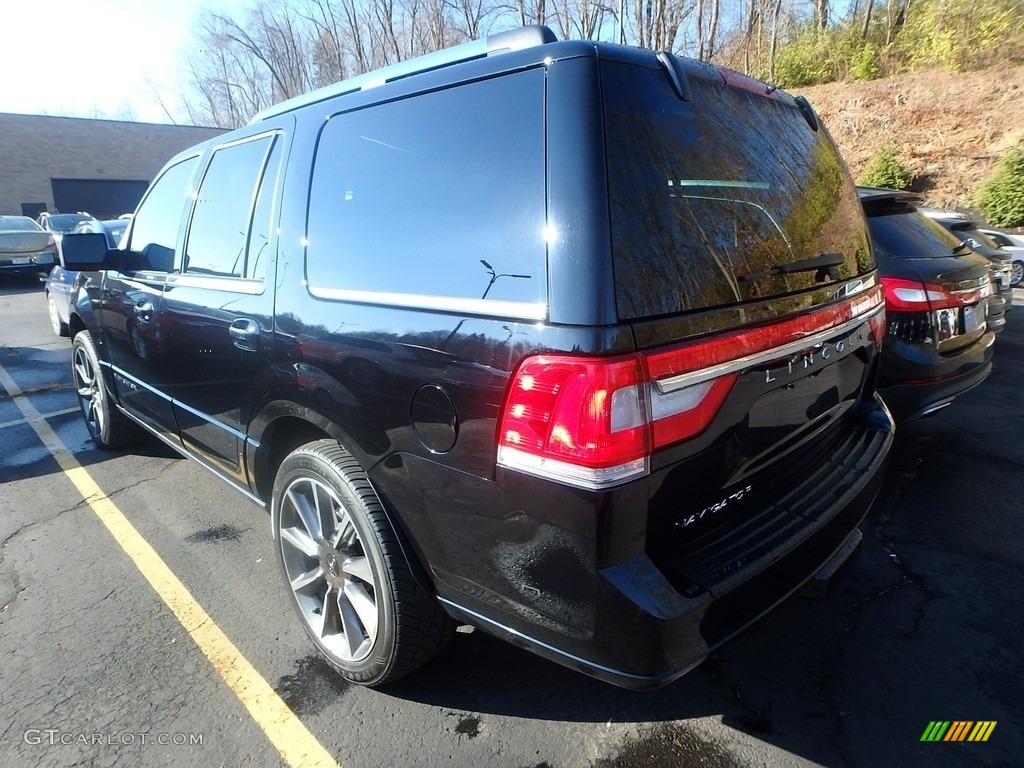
(503, 42)
(881, 193)
(525, 38)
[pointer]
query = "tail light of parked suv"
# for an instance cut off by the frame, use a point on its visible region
(912, 295)
(920, 311)
(594, 422)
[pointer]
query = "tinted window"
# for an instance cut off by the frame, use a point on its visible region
(439, 194)
(220, 220)
(706, 194)
(263, 217)
(899, 231)
(65, 222)
(114, 230)
(155, 225)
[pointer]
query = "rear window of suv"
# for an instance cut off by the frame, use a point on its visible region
(705, 194)
(899, 231)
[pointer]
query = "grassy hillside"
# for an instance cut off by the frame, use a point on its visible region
(951, 129)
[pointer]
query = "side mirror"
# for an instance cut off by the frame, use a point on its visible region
(87, 252)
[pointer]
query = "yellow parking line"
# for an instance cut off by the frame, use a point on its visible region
(297, 745)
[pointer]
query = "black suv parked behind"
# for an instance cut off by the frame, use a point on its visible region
(939, 342)
(572, 342)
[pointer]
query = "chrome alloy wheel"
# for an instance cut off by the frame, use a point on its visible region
(328, 570)
(90, 391)
(1018, 273)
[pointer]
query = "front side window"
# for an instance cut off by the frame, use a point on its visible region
(155, 225)
(219, 229)
(440, 195)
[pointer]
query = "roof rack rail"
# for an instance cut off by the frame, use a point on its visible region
(512, 40)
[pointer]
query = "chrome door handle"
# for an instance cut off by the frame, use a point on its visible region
(144, 310)
(245, 333)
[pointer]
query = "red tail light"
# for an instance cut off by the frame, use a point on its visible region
(593, 422)
(915, 296)
(51, 243)
(582, 420)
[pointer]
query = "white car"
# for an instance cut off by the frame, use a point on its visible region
(1015, 245)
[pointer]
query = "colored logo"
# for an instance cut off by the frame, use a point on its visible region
(958, 730)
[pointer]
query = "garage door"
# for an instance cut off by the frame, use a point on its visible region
(103, 198)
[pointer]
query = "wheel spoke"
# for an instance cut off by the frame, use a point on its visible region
(351, 624)
(97, 409)
(329, 615)
(325, 505)
(300, 540)
(307, 515)
(360, 568)
(346, 532)
(364, 606)
(301, 582)
(84, 375)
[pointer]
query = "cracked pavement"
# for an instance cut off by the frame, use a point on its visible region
(924, 625)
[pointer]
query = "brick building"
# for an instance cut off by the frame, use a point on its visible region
(71, 164)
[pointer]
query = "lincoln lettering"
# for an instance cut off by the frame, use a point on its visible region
(805, 360)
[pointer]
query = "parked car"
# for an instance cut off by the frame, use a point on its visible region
(60, 224)
(60, 281)
(1013, 245)
(938, 343)
(572, 342)
(113, 228)
(25, 248)
(967, 230)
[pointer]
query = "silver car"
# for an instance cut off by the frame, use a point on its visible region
(25, 247)
(1014, 244)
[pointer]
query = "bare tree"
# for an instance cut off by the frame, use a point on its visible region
(705, 17)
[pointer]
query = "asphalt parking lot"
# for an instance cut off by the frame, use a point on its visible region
(98, 670)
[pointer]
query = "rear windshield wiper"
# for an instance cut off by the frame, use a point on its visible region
(825, 263)
(961, 247)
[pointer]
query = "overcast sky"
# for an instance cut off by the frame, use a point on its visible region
(96, 58)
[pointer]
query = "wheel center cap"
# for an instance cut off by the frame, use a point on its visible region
(333, 566)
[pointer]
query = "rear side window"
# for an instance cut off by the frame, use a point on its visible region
(708, 194)
(219, 230)
(437, 195)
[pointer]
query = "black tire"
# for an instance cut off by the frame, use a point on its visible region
(346, 572)
(59, 326)
(1018, 273)
(108, 427)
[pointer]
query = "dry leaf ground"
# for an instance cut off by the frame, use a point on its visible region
(950, 128)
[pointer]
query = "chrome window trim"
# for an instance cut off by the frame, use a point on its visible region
(518, 310)
(218, 283)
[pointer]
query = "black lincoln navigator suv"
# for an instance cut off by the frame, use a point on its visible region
(572, 342)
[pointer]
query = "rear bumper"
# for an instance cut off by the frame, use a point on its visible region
(916, 381)
(653, 622)
(36, 264)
